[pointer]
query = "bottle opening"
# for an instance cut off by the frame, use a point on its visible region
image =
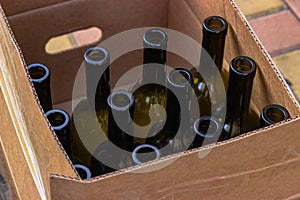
(120, 100)
(275, 113)
(144, 153)
(215, 24)
(155, 37)
(243, 65)
(96, 55)
(58, 119)
(206, 127)
(83, 171)
(180, 77)
(38, 72)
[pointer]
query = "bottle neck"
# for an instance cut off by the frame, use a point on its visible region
(60, 122)
(213, 42)
(120, 124)
(83, 171)
(97, 64)
(40, 75)
(155, 45)
(241, 75)
(144, 153)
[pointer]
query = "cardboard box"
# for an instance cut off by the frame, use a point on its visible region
(263, 164)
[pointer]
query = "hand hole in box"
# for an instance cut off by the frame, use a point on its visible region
(73, 40)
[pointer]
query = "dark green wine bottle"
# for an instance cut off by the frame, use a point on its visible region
(83, 171)
(213, 42)
(60, 122)
(239, 117)
(89, 119)
(151, 94)
(114, 153)
(207, 130)
(272, 114)
(40, 75)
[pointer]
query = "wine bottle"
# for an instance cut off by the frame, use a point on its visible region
(239, 117)
(272, 114)
(89, 119)
(83, 171)
(113, 154)
(150, 94)
(40, 76)
(213, 42)
(207, 130)
(144, 153)
(60, 122)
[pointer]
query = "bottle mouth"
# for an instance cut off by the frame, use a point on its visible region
(38, 72)
(207, 127)
(274, 113)
(180, 77)
(97, 56)
(83, 171)
(120, 100)
(215, 24)
(144, 153)
(58, 119)
(243, 65)
(155, 38)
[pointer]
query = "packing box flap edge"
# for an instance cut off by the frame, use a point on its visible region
(274, 150)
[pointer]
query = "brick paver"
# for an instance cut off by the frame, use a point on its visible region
(278, 32)
(295, 6)
(87, 36)
(289, 65)
(255, 8)
(59, 44)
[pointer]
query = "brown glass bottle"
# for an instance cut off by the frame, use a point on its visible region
(40, 75)
(272, 114)
(60, 122)
(150, 94)
(213, 42)
(239, 117)
(89, 119)
(114, 153)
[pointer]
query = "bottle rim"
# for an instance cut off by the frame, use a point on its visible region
(142, 146)
(251, 66)
(205, 119)
(104, 60)
(282, 111)
(46, 73)
(85, 169)
(189, 77)
(207, 27)
(160, 44)
(61, 112)
(120, 108)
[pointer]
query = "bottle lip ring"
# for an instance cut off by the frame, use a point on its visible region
(180, 70)
(163, 41)
(120, 108)
(46, 75)
(216, 31)
(252, 69)
(103, 61)
(64, 113)
(84, 168)
(280, 108)
(138, 148)
(212, 120)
